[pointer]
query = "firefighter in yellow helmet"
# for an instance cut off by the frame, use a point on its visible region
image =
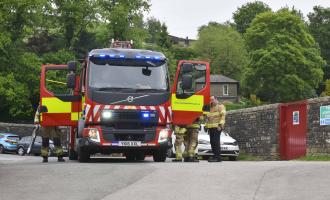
(215, 122)
(47, 133)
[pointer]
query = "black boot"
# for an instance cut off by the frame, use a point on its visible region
(177, 160)
(191, 159)
(60, 159)
(44, 159)
(213, 159)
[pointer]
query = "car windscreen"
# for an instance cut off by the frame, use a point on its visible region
(128, 75)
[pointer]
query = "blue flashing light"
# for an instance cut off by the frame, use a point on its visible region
(102, 55)
(157, 57)
(112, 55)
(138, 57)
(121, 56)
(146, 115)
(147, 57)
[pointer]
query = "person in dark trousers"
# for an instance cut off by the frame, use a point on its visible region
(215, 122)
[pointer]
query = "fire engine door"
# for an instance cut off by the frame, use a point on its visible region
(59, 106)
(190, 92)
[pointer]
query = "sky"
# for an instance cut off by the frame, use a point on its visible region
(183, 17)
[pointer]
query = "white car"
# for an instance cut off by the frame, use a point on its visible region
(229, 146)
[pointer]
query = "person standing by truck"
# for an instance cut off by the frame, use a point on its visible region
(47, 133)
(215, 122)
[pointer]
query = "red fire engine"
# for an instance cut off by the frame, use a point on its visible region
(120, 101)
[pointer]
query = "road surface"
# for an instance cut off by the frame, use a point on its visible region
(113, 178)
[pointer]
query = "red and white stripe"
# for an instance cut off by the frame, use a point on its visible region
(164, 112)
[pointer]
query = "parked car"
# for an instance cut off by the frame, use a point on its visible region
(23, 145)
(8, 142)
(229, 146)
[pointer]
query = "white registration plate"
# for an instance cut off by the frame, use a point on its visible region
(129, 143)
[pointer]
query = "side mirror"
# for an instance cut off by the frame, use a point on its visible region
(71, 80)
(186, 82)
(187, 68)
(146, 71)
(72, 66)
(43, 109)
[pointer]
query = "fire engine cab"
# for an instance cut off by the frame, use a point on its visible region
(120, 101)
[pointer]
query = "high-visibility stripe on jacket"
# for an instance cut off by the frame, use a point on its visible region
(216, 116)
(37, 116)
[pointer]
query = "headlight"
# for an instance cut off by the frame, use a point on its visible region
(93, 134)
(163, 135)
(106, 114)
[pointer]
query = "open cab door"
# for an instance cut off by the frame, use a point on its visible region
(60, 104)
(190, 92)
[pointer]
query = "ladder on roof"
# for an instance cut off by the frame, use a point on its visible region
(121, 44)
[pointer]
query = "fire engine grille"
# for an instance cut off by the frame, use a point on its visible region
(144, 135)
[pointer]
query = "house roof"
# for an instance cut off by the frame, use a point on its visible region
(216, 78)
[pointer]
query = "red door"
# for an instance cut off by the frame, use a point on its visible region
(188, 103)
(63, 108)
(293, 130)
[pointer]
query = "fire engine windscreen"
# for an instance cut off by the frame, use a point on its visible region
(142, 75)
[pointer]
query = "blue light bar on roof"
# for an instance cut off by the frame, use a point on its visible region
(122, 56)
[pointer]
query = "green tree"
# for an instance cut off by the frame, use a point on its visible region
(326, 91)
(154, 27)
(244, 15)
(224, 47)
(319, 27)
(285, 60)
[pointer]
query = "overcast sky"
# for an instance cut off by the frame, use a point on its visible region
(183, 17)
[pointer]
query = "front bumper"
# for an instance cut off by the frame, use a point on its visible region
(226, 150)
(107, 147)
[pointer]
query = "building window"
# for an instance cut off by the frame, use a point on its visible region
(225, 90)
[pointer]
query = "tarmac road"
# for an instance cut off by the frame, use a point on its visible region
(112, 178)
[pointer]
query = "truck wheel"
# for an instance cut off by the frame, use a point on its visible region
(140, 156)
(73, 155)
(160, 156)
(84, 156)
(130, 157)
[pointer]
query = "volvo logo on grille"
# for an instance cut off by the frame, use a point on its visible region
(130, 99)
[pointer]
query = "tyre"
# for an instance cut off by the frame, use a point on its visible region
(232, 158)
(140, 156)
(130, 157)
(84, 156)
(160, 156)
(73, 155)
(2, 149)
(21, 151)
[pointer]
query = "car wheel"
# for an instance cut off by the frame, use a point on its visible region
(83, 155)
(232, 158)
(170, 153)
(160, 156)
(21, 151)
(2, 149)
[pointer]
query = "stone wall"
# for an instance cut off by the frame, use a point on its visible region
(256, 130)
(19, 129)
(318, 137)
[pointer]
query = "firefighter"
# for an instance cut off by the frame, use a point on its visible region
(180, 133)
(189, 137)
(215, 122)
(192, 141)
(47, 133)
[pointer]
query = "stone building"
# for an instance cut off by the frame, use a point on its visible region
(224, 88)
